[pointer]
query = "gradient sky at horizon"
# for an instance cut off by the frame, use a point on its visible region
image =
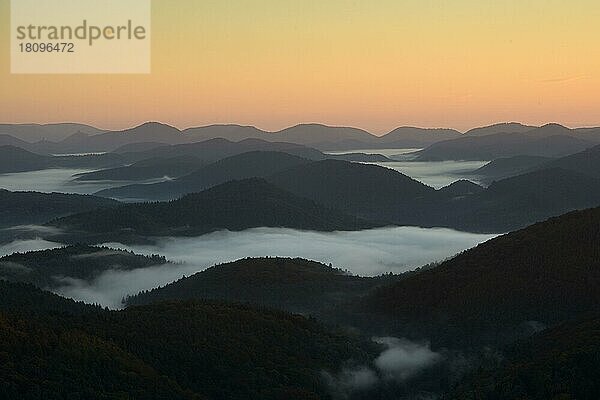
(371, 64)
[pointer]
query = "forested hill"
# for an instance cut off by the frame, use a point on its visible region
(23, 208)
(235, 205)
(558, 363)
(546, 273)
(294, 285)
(194, 350)
(253, 164)
(47, 268)
(369, 191)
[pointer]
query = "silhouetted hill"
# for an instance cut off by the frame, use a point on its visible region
(217, 149)
(293, 285)
(253, 164)
(546, 273)
(48, 268)
(410, 137)
(147, 132)
(324, 137)
(26, 299)
(371, 192)
(506, 167)
(24, 208)
(49, 132)
(137, 147)
(235, 206)
(505, 127)
(517, 202)
(359, 157)
(15, 159)
(460, 188)
(234, 133)
(491, 147)
(191, 350)
(586, 162)
(561, 362)
(146, 169)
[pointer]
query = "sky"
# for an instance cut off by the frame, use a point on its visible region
(375, 64)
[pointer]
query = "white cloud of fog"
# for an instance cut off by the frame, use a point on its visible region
(112, 286)
(50, 180)
(367, 253)
(436, 174)
(403, 359)
(23, 246)
(350, 380)
(400, 361)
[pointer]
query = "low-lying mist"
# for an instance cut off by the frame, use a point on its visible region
(436, 173)
(367, 253)
(400, 361)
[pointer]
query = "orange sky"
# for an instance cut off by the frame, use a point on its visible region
(371, 64)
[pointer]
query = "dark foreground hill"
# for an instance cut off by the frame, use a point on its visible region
(48, 268)
(538, 276)
(23, 208)
(236, 205)
(558, 363)
(196, 350)
(293, 285)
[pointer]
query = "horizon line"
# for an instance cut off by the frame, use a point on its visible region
(208, 125)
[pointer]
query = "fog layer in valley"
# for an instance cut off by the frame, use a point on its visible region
(433, 173)
(51, 180)
(368, 253)
(436, 173)
(57, 180)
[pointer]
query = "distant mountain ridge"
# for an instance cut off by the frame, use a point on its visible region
(78, 138)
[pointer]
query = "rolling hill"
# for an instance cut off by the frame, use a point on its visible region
(516, 202)
(506, 167)
(293, 285)
(371, 192)
(491, 147)
(47, 269)
(47, 132)
(410, 137)
(504, 127)
(146, 170)
(236, 205)
(25, 208)
(14, 159)
(561, 362)
(539, 276)
(55, 348)
(255, 164)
